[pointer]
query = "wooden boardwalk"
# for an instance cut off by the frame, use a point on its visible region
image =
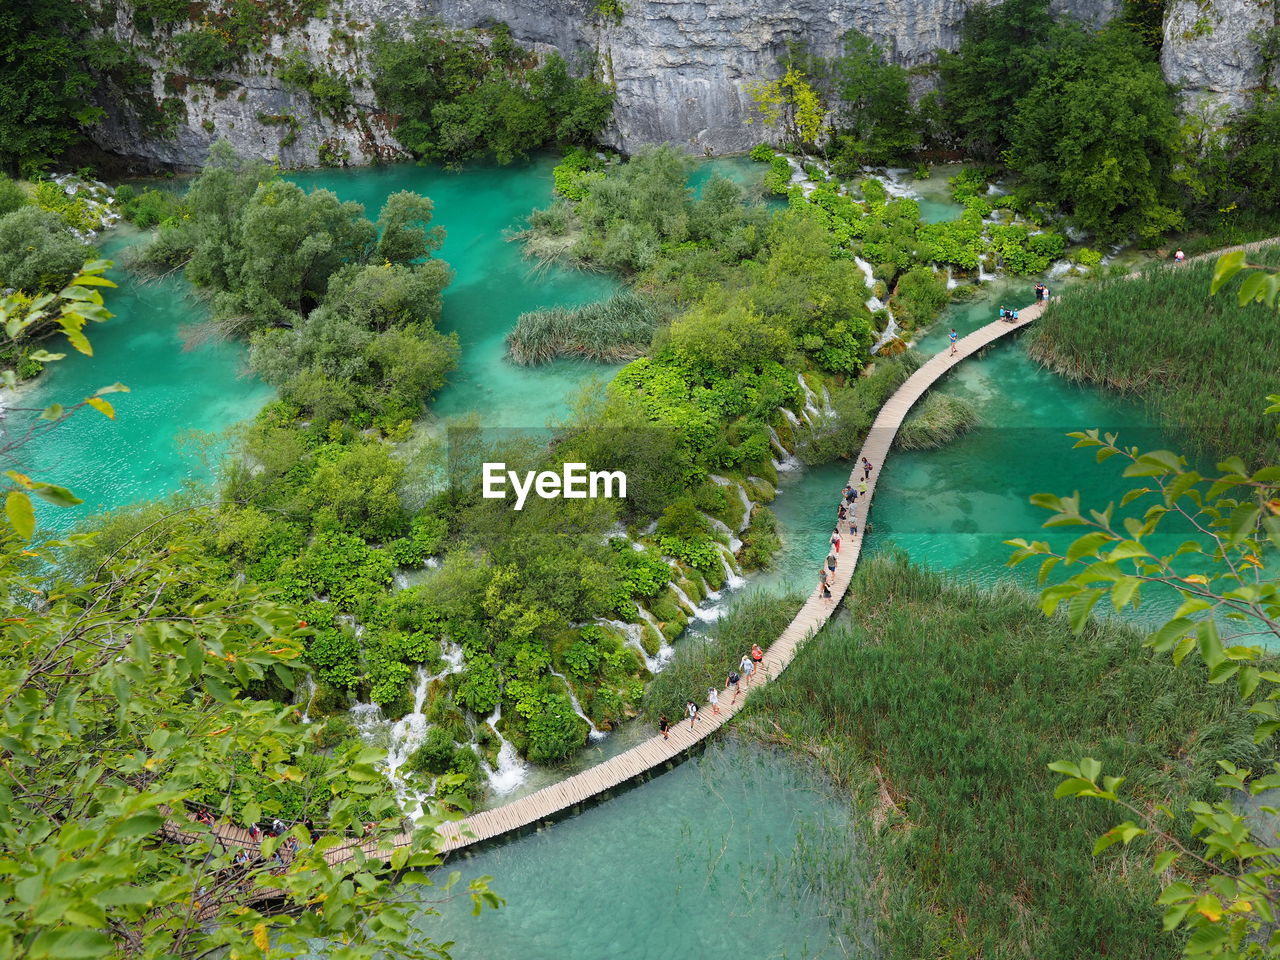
(816, 611)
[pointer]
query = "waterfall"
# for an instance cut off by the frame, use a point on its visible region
(810, 398)
(790, 415)
(983, 276)
(690, 607)
(734, 543)
(632, 633)
(747, 505)
(307, 692)
(732, 579)
(511, 769)
(952, 282)
(890, 331)
(874, 303)
(827, 409)
(595, 732)
(406, 734)
(400, 579)
(665, 650)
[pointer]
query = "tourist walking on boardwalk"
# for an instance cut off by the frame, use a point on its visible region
(1179, 257)
(835, 540)
(757, 658)
(953, 341)
(862, 487)
(691, 711)
(745, 667)
(664, 725)
(831, 562)
(853, 528)
(849, 495)
(842, 513)
(732, 681)
(713, 698)
(866, 469)
(826, 590)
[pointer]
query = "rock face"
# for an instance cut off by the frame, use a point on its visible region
(1211, 52)
(680, 68)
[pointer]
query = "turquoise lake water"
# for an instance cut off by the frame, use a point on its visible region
(699, 862)
(670, 867)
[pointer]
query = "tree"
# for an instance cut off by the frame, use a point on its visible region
(875, 122)
(44, 87)
(791, 101)
(1220, 873)
(38, 254)
(1095, 135)
(144, 689)
(996, 65)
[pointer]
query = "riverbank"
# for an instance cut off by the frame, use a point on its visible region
(938, 705)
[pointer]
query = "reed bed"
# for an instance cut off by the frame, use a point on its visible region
(612, 331)
(701, 663)
(937, 707)
(939, 419)
(1203, 364)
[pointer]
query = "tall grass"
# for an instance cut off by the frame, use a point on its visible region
(702, 663)
(1204, 363)
(938, 707)
(611, 331)
(938, 420)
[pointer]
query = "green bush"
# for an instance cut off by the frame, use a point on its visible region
(204, 52)
(762, 153)
(12, 196)
(434, 755)
(37, 252)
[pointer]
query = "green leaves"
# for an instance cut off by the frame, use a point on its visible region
(17, 507)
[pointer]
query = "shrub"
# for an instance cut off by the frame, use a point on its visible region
(614, 330)
(37, 252)
(762, 153)
(12, 196)
(204, 52)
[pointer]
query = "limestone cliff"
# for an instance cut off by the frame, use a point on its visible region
(679, 67)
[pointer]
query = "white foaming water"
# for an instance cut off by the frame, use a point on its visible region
(690, 607)
(827, 409)
(1059, 268)
(788, 462)
(952, 282)
(305, 695)
(983, 276)
(888, 333)
(665, 650)
(734, 543)
(747, 505)
(810, 399)
(632, 635)
(595, 733)
(511, 770)
(732, 579)
(790, 415)
(406, 734)
(874, 303)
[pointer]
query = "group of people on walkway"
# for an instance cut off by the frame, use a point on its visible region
(846, 521)
(1042, 292)
(751, 665)
(1011, 316)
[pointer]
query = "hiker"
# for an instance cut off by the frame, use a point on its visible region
(1179, 257)
(745, 667)
(1046, 294)
(1004, 314)
(953, 341)
(255, 833)
(277, 827)
(835, 539)
(826, 591)
(713, 698)
(866, 469)
(1013, 316)
(691, 711)
(822, 576)
(831, 562)
(1039, 292)
(842, 513)
(733, 680)
(665, 726)
(757, 656)
(853, 528)
(862, 487)
(849, 495)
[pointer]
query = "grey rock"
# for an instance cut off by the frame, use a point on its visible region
(680, 68)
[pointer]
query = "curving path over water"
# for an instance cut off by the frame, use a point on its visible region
(812, 616)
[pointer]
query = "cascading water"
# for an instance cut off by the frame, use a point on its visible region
(747, 505)
(734, 543)
(511, 769)
(406, 734)
(632, 633)
(595, 733)
(788, 462)
(665, 650)
(810, 399)
(874, 303)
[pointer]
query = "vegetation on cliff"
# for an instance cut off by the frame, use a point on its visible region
(459, 95)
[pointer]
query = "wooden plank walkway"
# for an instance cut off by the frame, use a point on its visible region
(552, 800)
(549, 801)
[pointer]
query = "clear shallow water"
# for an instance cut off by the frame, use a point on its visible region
(699, 862)
(493, 282)
(174, 389)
